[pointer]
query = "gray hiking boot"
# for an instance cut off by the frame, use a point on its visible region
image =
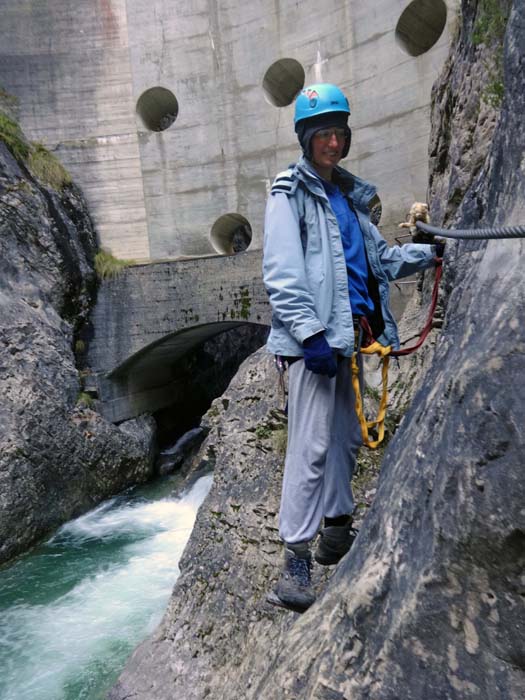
(294, 588)
(334, 543)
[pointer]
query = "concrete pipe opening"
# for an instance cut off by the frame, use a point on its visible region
(157, 108)
(421, 25)
(231, 234)
(283, 81)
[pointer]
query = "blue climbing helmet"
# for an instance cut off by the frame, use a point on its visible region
(318, 107)
(319, 99)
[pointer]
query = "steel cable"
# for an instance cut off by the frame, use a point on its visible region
(475, 233)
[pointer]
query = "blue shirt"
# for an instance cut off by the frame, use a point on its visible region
(354, 250)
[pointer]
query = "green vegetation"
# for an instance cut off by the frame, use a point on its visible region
(40, 161)
(493, 93)
(373, 392)
(47, 168)
(275, 430)
(84, 400)
(489, 29)
(245, 303)
(263, 432)
(11, 134)
(491, 22)
(8, 99)
(280, 439)
(109, 267)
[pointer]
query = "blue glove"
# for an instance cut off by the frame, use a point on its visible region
(439, 244)
(319, 356)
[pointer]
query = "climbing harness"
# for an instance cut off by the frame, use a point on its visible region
(383, 351)
(367, 345)
(373, 347)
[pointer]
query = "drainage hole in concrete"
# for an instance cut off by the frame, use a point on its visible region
(420, 26)
(283, 81)
(231, 234)
(157, 108)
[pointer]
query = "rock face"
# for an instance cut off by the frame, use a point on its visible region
(218, 615)
(430, 601)
(233, 553)
(57, 457)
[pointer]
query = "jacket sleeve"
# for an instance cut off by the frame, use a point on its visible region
(284, 271)
(401, 261)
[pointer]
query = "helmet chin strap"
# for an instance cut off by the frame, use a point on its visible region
(348, 142)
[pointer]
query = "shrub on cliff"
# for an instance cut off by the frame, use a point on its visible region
(47, 168)
(12, 136)
(42, 164)
(108, 266)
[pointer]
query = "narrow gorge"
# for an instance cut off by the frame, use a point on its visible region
(430, 601)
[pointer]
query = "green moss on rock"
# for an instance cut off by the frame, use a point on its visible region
(11, 134)
(107, 266)
(489, 30)
(47, 168)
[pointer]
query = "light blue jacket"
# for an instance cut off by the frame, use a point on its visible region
(304, 266)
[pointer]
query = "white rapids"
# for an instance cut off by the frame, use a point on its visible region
(74, 609)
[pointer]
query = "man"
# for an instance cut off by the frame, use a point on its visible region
(325, 266)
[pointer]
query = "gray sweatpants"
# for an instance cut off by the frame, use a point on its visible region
(323, 439)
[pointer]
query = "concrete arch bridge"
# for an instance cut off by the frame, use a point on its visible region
(146, 319)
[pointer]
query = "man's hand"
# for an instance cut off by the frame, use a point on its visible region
(319, 356)
(440, 247)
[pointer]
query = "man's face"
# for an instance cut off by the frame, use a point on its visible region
(327, 146)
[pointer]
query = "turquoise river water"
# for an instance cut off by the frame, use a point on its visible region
(74, 608)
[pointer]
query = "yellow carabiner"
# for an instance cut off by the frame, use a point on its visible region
(383, 351)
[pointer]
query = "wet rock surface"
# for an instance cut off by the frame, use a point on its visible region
(218, 615)
(430, 601)
(172, 458)
(58, 457)
(233, 552)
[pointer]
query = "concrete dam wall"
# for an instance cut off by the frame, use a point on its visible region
(174, 117)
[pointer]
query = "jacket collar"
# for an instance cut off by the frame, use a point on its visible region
(358, 190)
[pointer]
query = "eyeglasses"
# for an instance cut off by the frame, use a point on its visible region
(326, 134)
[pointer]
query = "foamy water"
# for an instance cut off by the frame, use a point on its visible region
(71, 612)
